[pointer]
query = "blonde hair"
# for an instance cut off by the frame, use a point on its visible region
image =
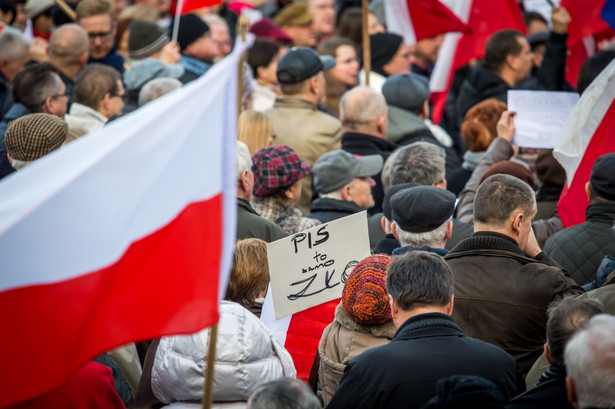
(254, 129)
(249, 272)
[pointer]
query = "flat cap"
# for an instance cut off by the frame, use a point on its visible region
(335, 169)
(422, 208)
(294, 14)
(601, 179)
(278, 168)
(386, 202)
(33, 136)
(406, 91)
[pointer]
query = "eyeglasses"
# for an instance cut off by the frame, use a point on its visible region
(56, 96)
(104, 36)
(122, 96)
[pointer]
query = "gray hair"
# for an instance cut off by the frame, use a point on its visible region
(428, 238)
(419, 162)
(284, 393)
(590, 362)
(244, 160)
(156, 88)
(419, 279)
(13, 45)
(499, 196)
(362, 106)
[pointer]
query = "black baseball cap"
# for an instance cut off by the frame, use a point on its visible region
(301, 63)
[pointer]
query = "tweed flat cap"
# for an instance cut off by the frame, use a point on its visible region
(422, 208)
(34, 136)
(601, 179)
(294, 14)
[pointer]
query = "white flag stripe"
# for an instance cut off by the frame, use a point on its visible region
(576, 134)
(279, 328)
(398, 21)
(94, 198)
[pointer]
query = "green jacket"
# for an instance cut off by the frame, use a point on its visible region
(251, 225)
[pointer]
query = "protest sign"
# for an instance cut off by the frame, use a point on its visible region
(311, 267)
(540, 116)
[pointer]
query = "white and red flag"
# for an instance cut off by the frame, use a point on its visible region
(587, 135)
(124, 235)
(416, 20)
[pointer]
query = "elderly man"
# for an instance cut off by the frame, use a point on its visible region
(422, 219)
(98, 95)
(344, 183)
(388, 243)
(296, 119)
(427, 346)
(590, 364)
(14, 54)
(249, 223)
(96, 17)
(504, 283)
(297, 21)
(68, 52)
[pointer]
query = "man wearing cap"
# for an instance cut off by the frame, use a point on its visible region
(197, 47)
(344, 183)
(363, 112)
(278, 175)
(249, 223)
(504, 283)
(98, 95)
(427, 346)
(296, 119)
(296, 20)
(422, 219)
(580, 249)
(389, 242)
(33, 136)
(407, 96)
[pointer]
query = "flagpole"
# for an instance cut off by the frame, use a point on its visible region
(242, 32)
(209, 369)
(66, 9)
(367, 57)
(178, 10)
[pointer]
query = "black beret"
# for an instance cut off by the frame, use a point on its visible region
(423, 208)
(386, 202)
(601, 180)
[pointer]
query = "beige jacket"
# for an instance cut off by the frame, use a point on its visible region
(308, 131)
(341, 341)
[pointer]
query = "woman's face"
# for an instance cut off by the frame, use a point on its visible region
(346, 69)
(268, 75)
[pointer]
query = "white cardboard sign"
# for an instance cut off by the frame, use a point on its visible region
(540, 116)
(311, 267)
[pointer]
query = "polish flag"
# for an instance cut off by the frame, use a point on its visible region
(586, 135)
(124, 235)
(188, 6)
(484, 17)
(416, 20)
(300, 332)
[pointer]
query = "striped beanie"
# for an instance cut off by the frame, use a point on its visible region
(364, 297)
(33, 136)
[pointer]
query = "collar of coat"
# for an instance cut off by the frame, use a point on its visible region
(601, 212)
(487, 240)
(423, 325)
(386, 330)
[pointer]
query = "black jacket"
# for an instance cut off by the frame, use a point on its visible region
(580, 249)
(363, 144)
(327, 210)
(550, 393)
(552, 72)
(404, 372)
(480, 85)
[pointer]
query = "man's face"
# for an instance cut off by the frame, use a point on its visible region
(303, 36)
(426, 51)
(360, 192)
(400, 63)
(116, 102)
(221, 36)
(11, 68)
(324, 16)
(522, 63)
(204, 48)
(100, 31)
(58, 103)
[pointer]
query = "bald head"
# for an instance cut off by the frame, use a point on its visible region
(363, 109)
(69, 46)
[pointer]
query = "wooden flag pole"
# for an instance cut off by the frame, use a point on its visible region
(209, 369)
(242, 32)
(367, 55)
(66, 9)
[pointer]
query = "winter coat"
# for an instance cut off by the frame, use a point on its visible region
(343, 340)
(404, 372)
(580, 249)
(247, 354)
(285, 215)
(327, 210)
(550, 393)
(502, 296)
(308, 131)
(480, 85)
(251, 225)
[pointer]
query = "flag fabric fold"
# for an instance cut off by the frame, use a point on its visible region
(124, 235)
(587, 134)
(188, 6)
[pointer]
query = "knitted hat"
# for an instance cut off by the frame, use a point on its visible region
(294, 14)
(191, 28)
(601, 179)
(406, 91)
(335, 169)
(364, 297)
(384, 46)
(267, 28)
(508, 167)
(422, 208)
(145, 38)
(33, 136)
(276, 169)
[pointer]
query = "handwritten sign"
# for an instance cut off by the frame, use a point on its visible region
(540, 116)
(311, 267)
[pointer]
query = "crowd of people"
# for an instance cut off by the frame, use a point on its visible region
(475, 294)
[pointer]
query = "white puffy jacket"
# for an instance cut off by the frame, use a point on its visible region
(247, 354)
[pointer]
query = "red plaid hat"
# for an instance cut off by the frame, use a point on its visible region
(276, 169)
